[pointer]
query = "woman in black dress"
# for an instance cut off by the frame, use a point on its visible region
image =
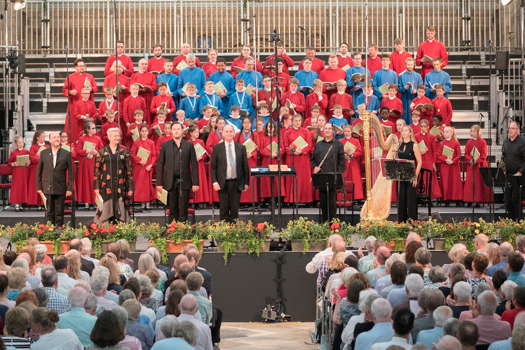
(407, 196)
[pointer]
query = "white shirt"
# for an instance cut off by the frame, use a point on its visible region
(59, 339)
(398, 341)
(65, 283)
(203, 332)
(348, 332)
(231, 166)
(54, 157)
(318, 259)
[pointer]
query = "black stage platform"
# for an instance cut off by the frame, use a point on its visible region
(10, 217)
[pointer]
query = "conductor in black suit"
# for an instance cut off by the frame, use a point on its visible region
(177, 172)
(230, 174)
(54, 179)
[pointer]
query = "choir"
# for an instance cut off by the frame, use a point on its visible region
(206, 97)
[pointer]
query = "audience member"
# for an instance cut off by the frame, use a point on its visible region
(43, 324)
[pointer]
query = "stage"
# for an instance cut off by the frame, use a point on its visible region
(447, 214)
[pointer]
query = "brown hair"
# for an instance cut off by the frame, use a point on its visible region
(17, 321)
(46, 318)
(27, 295)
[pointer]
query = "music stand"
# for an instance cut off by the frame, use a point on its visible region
(399, 170)
(492, 177)
(329, 181)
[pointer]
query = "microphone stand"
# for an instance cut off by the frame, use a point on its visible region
(117, 61)
(68, 117)
(180, 182)
(274, 38)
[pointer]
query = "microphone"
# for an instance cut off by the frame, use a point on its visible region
(301, 28)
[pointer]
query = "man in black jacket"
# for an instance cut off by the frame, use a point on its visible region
(514, 159)
(177, 172)
(230, 174)
(54, 179)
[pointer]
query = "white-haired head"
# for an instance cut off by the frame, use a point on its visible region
(77, 297)
(487, 303)
(462, 292)
(381, 310)
(440, 315)
(414, 284)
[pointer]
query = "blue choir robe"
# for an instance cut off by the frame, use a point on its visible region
(306, 79)
(381, 77)
(414, 80)
(226, 79)
(433, 78)
(340, 123)
(243, 100)
(190, 105)
(350, 83)
(372, 104)
(193, 75)
(236, 122)
(252, 78)
(265, 118)
(172, 80)
(211, 100)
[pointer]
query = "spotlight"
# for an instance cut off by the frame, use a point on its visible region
(19, 4)
(505, 2)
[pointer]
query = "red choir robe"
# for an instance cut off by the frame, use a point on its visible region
(388, 126)
(20, 178)
(416, 129)
(201, 123)
(297, 98)
(128, 140)
(104, 106)
(398, 61)
(432, 49)
(123, 80)
(269, 64)
(393, 104)
(317, 65)
(177, 60)
(426, 113)
(213, 138)
(203, 194)
(157, 101)
(267, 97)
(329, 75)
(142, 178)
(78, 81)
(313, 99)
(428, 160)
(252, 194)
(443, 107)
(104, 130)
(126, 62)
(33, 198)
(77, 110)
(374, 64)
(156, 64)
(284, 82)
(475, 189)
(156, 130)
(451, 184)
(352, 172)
(149, 80)
(345, 100)
(238, 65)
(86, 169)
(345, 61)
(209, 68)
(160, 141)
(267, 184)
(303, 193)
(130, 105)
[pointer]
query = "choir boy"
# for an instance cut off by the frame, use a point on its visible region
(344, 57)
(422, 103)
(242, 99)
(163, 101)
(355, 76)
(373, 61)
(78, 81)
(293, 99)
(267, 95)
(180, 62)
(331, 74)
(409, 80)
(157, 127)
(134, 128)
(157, 62)
(316, 99)
(122, 87)
(442, 105)
(399, 56)
(384, 77)
(191, 75)
(269, 63)
(317, 63)
(283, 78)
(146, 81)
(109, 123)
(133, 102)
(204, 122)
(190, 103)
(393, 103)
(306, 77)
(437, 76)
(82, 111)
(369, 99)
(122, 58)
(171, 79)
(429, 50)
(342, 99)
(415, 125)
(338, 120)
(252, 78)
(263, 113)
(210, 67)
(209, 98)
(235, 119)
(239, 63)
(107, 104)
(224, 82)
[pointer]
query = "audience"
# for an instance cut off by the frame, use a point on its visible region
(77, 319)
(188, 307)
(44, 325)
(402, 323)
(382, 330)
(430, 336)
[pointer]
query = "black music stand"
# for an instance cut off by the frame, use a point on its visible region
(330, 181)
(492, 177)
(399, 170)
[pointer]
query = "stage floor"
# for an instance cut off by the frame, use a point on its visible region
(11, 217)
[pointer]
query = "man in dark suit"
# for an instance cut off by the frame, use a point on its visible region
(230, 174)
(54, 179)
(177, 172)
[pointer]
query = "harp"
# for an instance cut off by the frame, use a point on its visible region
(378, 188)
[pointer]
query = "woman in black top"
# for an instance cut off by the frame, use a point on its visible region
(407, 197)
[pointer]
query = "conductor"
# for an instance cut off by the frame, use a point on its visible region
(328, 158)
(514, 160)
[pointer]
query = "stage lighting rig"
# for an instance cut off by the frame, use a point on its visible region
(19, 4)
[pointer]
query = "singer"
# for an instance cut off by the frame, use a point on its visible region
(113, 180)
(328, 158)
(514, 161)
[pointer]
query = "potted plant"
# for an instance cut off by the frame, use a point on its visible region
(305, 234)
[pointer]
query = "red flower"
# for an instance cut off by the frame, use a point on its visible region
(39, 232)
(261, 226)
(86, 232)
(171, 229)
(111, 229)
(335, 226)
(42, 226)
(93, 226)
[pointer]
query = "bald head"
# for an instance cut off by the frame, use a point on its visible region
(179, 260)
(505, 250)
(188, 304)
(382, 254)
(481, 241)
(448, 342)
(339, 246)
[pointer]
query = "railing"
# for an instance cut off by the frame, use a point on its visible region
(86, 26)
(513, 86)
